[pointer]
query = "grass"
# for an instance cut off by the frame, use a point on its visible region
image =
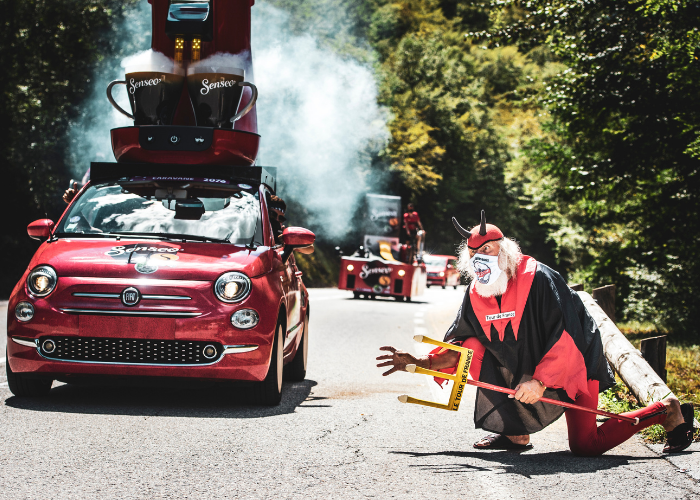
(683, 366)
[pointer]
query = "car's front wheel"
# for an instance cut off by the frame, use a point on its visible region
(296, 370)
(269, 391)
(22, 386)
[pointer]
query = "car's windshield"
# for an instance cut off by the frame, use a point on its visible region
(432, 260)
(227, 216)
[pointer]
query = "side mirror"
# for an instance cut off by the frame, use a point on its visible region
(40, 229)
(296, 237)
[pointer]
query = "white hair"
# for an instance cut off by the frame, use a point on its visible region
(508, 260)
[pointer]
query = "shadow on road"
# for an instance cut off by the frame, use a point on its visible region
(388, 299)
(197, 401)
(524, 464)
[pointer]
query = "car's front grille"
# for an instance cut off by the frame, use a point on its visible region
(130, 351)
(433, 275)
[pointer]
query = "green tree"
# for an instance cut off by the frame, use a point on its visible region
(49, 50)
(622, 153)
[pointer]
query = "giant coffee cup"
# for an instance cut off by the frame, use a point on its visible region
(216, 93)
(153, 96)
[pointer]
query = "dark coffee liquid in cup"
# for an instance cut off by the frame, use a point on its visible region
(215, 98)
(154, 96)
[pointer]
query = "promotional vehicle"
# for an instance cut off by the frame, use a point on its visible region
(152, 272)
(382, 266)
(442, 270)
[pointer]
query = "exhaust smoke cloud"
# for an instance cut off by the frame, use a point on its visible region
(318, 116)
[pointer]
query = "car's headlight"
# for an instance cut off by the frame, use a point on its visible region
(244, 319)
(42, 281)
(24, 311)
(232, 287)
(442, 273)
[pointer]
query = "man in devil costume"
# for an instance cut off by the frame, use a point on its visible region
(530, 332)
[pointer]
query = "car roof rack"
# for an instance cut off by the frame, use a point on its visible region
(105, 171)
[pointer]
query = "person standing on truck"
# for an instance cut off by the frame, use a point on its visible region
(414, 229)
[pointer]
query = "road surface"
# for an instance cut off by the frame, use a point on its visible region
(341, 434)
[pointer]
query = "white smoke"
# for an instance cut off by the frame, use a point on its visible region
(150, 60)
(223, 60)
(318, 119)
(317, 114)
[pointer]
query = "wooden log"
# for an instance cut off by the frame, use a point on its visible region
(654, 351)
(627, 361)
(605, 297)
(576, 288)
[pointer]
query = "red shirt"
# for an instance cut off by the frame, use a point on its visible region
(411, 220)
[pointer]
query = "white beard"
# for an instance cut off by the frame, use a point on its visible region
(494, 289)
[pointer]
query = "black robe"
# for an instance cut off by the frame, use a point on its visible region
(550, 337)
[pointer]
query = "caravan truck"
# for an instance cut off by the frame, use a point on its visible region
(382, 266)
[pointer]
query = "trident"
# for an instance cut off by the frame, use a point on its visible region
(461, 380)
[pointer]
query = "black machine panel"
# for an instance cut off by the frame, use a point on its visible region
(175, 138)
(190, 19)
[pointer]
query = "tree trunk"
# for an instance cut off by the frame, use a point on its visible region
(627, 361)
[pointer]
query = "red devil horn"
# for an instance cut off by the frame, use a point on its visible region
(460, 229)
(482, 229)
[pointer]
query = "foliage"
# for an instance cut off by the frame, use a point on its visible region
(49, 52)
(320, 268)
(460, 113)
(622, 151)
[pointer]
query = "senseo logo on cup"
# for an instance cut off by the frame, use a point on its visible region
(133, 85)
(216, 85)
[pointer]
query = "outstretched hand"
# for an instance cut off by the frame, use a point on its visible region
(397, 360)
(70, 193)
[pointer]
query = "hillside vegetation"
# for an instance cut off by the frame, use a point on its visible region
(573, 124)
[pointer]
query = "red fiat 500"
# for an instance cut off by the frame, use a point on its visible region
(442, 270)
(162, 274)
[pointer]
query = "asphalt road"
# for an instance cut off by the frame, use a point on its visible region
(339, 434)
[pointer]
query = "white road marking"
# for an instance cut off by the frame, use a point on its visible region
(419, 314)
(419, 321)
(419, 330)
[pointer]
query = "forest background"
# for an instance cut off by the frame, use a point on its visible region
(573, 123)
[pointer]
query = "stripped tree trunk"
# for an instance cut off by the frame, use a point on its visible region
(627, 361)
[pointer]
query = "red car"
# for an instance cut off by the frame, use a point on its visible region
(162, 274)
(442, 270)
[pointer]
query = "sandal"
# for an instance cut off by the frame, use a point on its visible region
(682, 436)
(500, 442)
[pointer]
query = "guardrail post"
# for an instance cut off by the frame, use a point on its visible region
(605, 297)
(654, 351)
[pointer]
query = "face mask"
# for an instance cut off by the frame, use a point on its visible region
(486, 268)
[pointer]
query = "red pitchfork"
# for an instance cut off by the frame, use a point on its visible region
(461, 379)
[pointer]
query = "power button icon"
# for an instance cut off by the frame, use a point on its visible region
(174, 139)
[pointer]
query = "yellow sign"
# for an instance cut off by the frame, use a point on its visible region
(459, 378)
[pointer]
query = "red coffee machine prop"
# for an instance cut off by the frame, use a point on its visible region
(189, 107)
